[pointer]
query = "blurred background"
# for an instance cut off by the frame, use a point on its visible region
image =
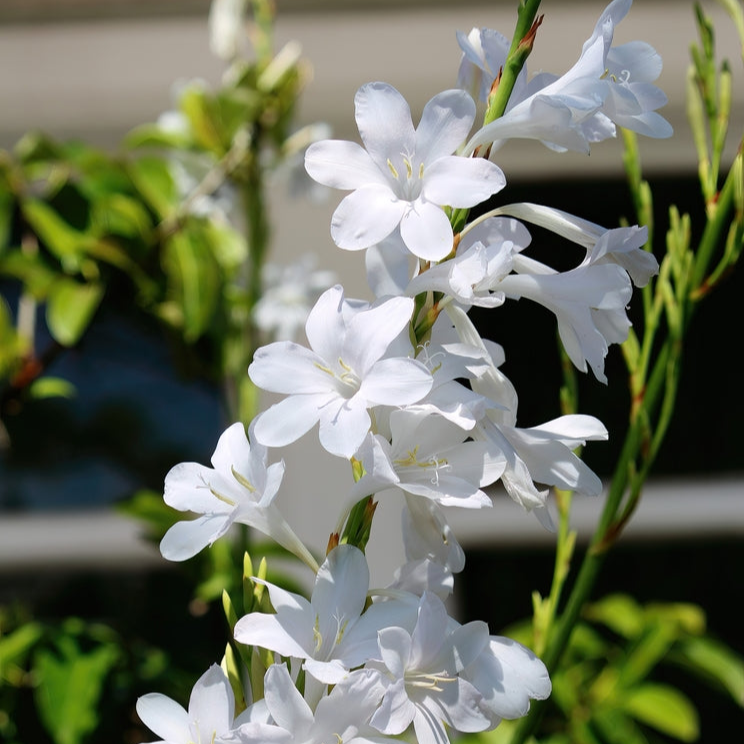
(94, 69)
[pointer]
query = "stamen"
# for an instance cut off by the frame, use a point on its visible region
(317, 637)
(392, 169)
(242, 480)
(409, 168)
(327, 370)
(222, 498)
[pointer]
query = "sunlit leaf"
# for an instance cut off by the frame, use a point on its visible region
(61, 238)
(51, 387)
(16, 645)
(194, 280)
(619, 612)
(118, 214)
(152, 178)
(664, 708)
(714, 660)
(70, 309)
(70, 686)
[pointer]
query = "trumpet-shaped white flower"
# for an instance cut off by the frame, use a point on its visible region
(483, 259)
(339, 718)
(240, 487)
(427, 457)
(405, 176)
(589, 303)
(289, 292)
(541, 453)
(210, 717)
(329, 632)
(344, 374)
(420, 673)
(622, 245)
(606, 86)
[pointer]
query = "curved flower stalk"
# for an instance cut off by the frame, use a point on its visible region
(405, 176)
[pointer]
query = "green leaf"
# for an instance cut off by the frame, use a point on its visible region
(15, 646)
(152, 178)
(51, 387)
(200, 110)
(70, 686)
(228, 245)
(619, 612)
(35, 273)
(715, 661)
(153, 135)
(70, 308)
(118, 214)
(687, 618)
(664, 708)
(61, 238)
(194, 279)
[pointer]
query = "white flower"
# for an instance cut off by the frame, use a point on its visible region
(589, 303)
(329, 632)
(483, 55)
(339, 718)
(289, 292)
(622, 245)
(210, 717)
(343, 375)
(240, 487)
(404, 176)
(483, 259)
(419, 670)
(541, 453)
(427, 457)
(606, 86)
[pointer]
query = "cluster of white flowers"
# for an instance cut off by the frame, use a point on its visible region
(405, 388)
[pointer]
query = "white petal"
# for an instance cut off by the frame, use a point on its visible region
(445, 123)
(340, 592)
(384, 121)
(185, 539)
(342, 165)
(462, 182)
(164, 717)
(372, 331)
(285, 422)
(212, 704)
(396, 382)
(343, 425)
(325, 327)
(188, 488)
(285, 702)
(396, 711)
(366, 217)
(426, 231)
(287, 367)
